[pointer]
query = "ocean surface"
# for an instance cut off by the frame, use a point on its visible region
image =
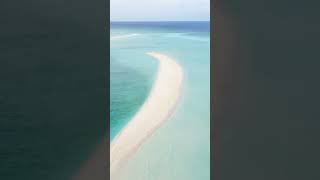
(131, 78)
(180, 149)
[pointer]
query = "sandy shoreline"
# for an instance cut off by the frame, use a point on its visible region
(156, 110)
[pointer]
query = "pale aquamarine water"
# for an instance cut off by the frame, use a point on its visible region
(180, 149)
(131, 78)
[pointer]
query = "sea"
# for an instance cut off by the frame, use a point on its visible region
(179, 149)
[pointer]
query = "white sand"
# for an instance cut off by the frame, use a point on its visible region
(154, 112)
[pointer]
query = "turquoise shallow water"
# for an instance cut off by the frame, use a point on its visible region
(131, 78)
(180, 149)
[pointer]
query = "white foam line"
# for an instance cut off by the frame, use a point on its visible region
(123, 36)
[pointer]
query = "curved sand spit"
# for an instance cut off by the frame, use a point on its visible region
(159, 105)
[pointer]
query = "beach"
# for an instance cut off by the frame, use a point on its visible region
(179, 148)
(154, 112)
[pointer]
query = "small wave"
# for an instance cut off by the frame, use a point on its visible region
(187, 36)
(124, 36)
